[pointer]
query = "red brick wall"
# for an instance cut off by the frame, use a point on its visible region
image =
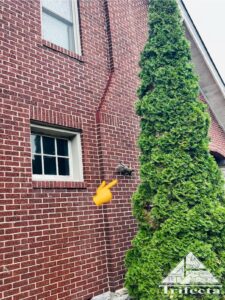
(119, 127)
(216, 134)
(54, 243)
(217, 137)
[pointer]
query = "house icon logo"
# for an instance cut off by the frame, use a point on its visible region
(190, 276)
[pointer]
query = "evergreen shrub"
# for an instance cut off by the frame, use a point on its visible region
(179, 204)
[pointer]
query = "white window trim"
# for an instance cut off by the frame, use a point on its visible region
(75, 153)
(76, 27)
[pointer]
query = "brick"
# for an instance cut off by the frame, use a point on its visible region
(57, 243)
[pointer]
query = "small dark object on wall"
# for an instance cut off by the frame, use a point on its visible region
(124, 170)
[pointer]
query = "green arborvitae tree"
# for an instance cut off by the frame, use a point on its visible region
(179, 204)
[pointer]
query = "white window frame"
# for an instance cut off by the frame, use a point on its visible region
(74, 153)
(76, 26)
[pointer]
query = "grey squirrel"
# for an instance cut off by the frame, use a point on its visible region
(124, 170)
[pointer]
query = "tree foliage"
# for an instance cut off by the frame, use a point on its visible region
(179, 204)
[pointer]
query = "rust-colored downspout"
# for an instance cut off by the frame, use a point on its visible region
(109, 80)
(98, 112)
(99, 137)
(110, 63)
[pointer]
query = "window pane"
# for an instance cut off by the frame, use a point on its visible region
(62, 8)
(62, 147)
(36, 164)
(36, 143)
(63, 165)
(57, 32)
(48, 145)
(49, 165)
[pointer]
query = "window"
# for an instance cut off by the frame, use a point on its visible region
(56, 154)
(60, 24)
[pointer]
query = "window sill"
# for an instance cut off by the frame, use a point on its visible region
(59, 185)
(66, 52)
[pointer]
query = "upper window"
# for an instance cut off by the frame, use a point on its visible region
(60, 24)
(56, 154)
